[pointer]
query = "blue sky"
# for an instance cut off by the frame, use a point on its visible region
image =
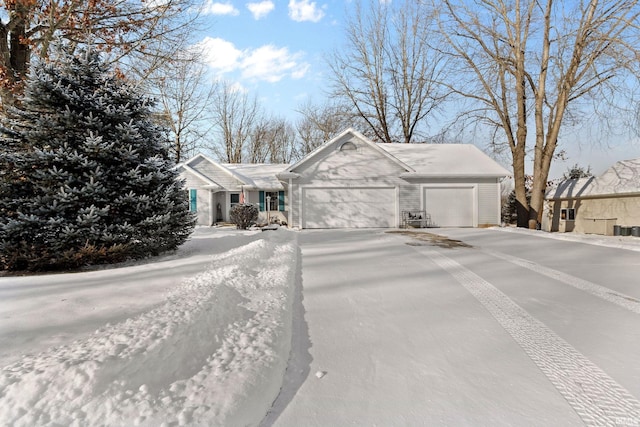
(276, 49)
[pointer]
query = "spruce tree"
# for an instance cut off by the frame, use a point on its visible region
(85, 177)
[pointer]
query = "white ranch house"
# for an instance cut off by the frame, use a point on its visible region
(352, 182)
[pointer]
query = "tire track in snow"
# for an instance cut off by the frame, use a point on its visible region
(625, 301)
(596, 397)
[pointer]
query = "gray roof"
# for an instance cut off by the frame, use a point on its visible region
(445, 160)
(418, 160)
(621, 178)
(233, 177)
(260, 176)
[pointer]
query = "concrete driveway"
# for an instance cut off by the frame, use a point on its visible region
(496, 329)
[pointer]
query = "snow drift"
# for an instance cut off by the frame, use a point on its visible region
(213, 354)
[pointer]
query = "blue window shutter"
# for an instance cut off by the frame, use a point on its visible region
(193, 200)
(261, 200)
(281, 201)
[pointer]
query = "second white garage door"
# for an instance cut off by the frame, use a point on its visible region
(349, 207)
(450, 206)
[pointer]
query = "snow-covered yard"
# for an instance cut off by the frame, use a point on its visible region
(392, 331)
(201, 337)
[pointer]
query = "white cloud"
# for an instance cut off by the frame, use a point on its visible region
(271, 64)
(261, 9)
(216, 8)
(305, 10)
(266, 63)
(300, 71)
(220, 54)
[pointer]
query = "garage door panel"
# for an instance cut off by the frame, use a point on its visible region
(450, 206)
(349, 207)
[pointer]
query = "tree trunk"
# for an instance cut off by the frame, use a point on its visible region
(519, 179)
(15, 56)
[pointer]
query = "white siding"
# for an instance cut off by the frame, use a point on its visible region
(410, 197)
(489, 204)
(203, 200)
(294, 206)
(192, 181)
(203, 206)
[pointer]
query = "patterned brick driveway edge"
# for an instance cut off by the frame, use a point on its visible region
(596, 397)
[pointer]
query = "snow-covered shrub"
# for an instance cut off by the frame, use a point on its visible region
(244, 215)
(85, 176)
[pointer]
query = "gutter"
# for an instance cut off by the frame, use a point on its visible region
(283, 176)
(593, 196)
(411, 175)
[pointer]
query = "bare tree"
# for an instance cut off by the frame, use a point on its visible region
(524, 62)
(120, 27)
(185, 92)
(319, 123)
(257, 149)
(388, 71)
(235, 115)
(282, 142)
(272, 140)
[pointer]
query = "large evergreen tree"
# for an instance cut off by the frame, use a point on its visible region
(84, 175)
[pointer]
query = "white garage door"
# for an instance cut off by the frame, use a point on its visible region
(349, 207)
(450, 206)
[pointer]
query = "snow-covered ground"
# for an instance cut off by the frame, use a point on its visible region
(510, 329)
(620, 242)
(201, 337)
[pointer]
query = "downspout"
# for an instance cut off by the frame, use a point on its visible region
(211, 208)
(290, 222)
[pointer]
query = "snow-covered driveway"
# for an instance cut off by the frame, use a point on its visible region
(514, 330)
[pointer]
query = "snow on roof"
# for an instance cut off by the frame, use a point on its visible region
(621, 178)
(569, 188)
(445, 159)
(343, 137)
(261, 176)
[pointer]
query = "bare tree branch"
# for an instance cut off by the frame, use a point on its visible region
(389, 73)
(533, 61)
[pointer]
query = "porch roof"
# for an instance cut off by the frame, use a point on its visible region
(258, 176)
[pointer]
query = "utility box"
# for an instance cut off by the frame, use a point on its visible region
(602, 226)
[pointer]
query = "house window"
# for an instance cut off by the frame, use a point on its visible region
(272, 197)
(193, 200)
(568, 214)
(347, 146)
(234, 199)
(275, 198)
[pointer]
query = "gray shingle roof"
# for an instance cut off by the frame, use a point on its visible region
(621, 178)
(261, 176)
(446, 160)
